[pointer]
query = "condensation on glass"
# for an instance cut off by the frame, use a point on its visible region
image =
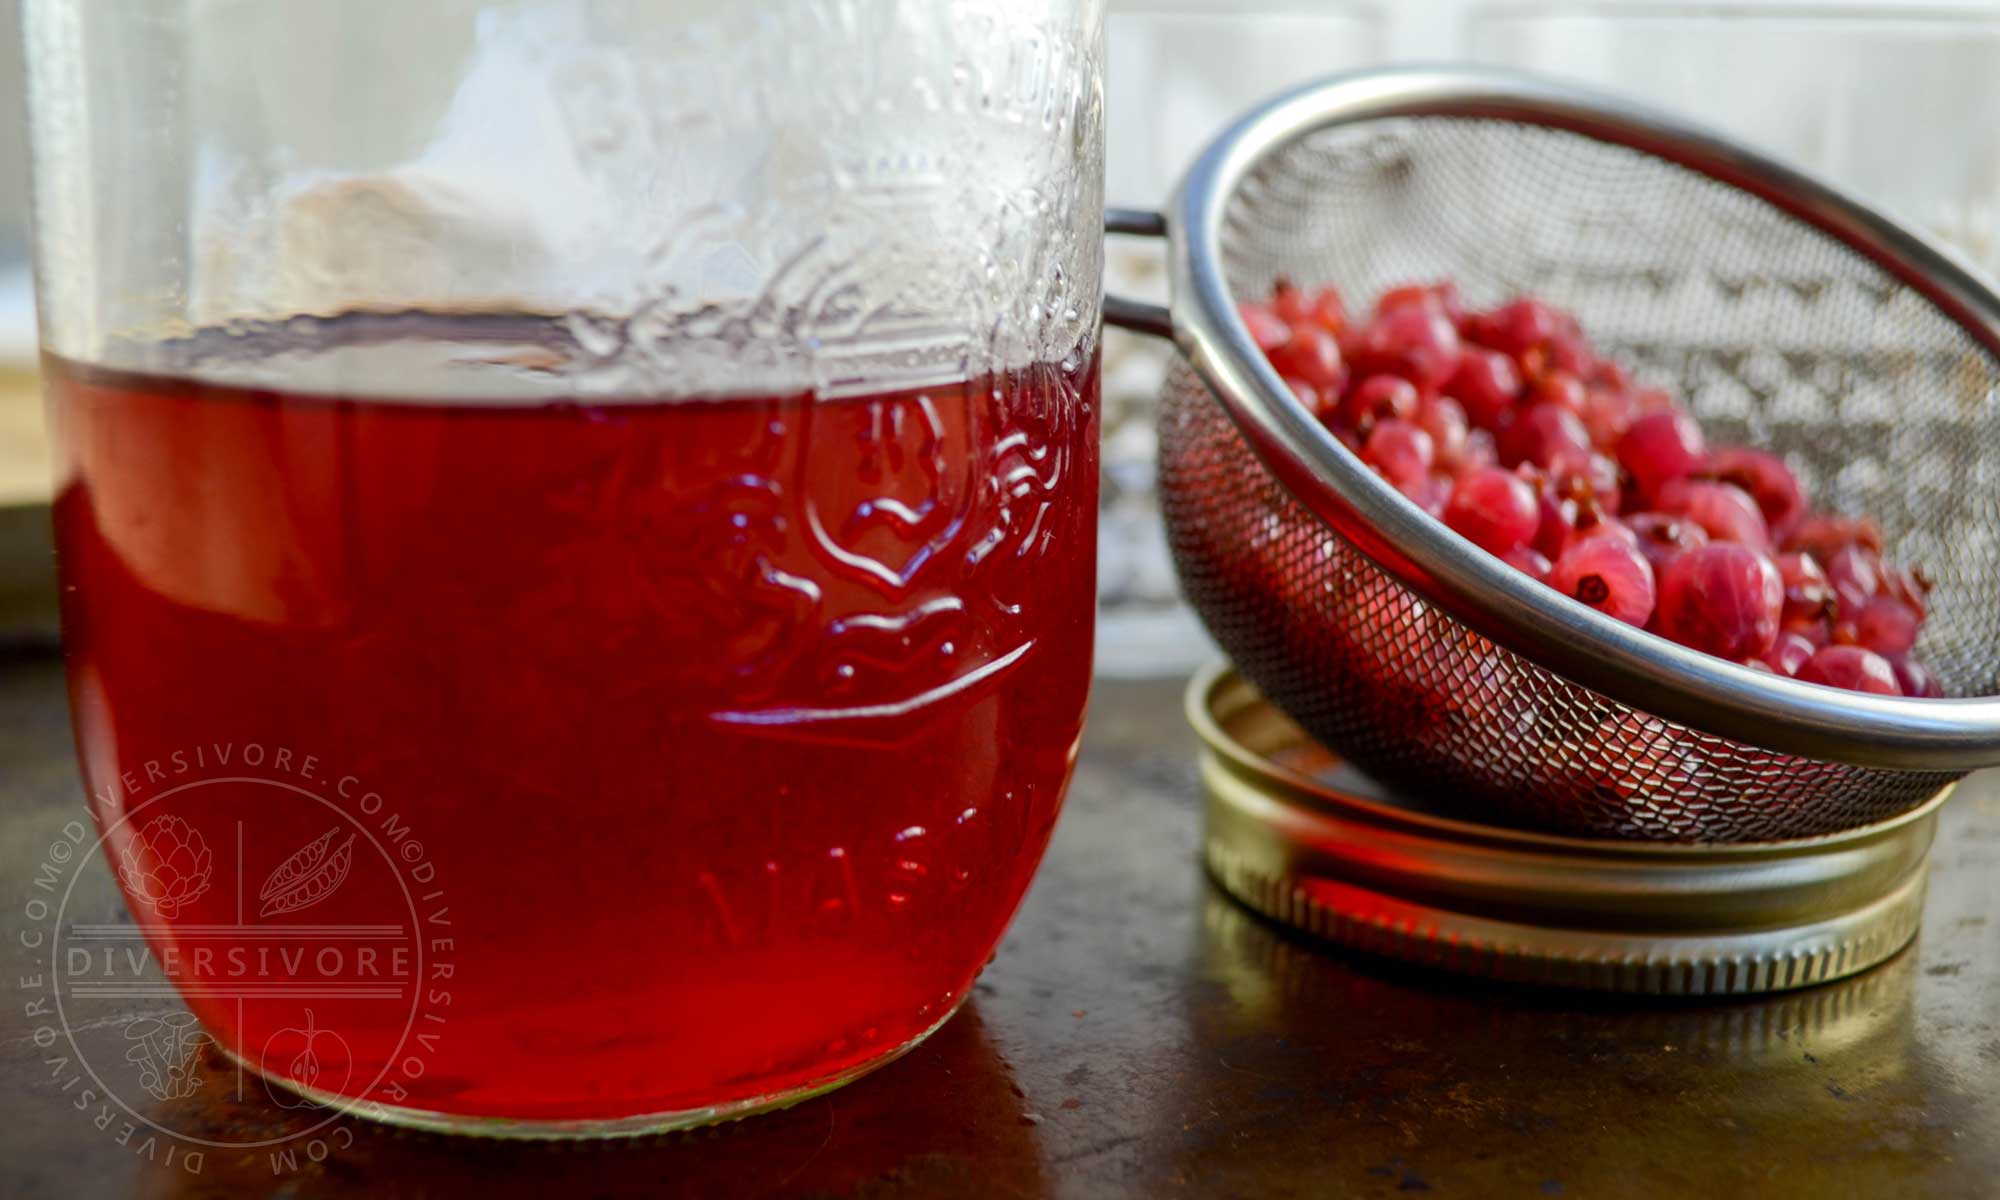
(838, 192)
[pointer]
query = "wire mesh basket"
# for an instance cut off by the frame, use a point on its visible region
(1785, 315)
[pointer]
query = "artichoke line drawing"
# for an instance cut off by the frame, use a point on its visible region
(167, 865)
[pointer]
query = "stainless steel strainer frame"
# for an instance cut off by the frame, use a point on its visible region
(1623, 663)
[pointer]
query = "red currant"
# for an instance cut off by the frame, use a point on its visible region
(1266, 328)
(1660, 447)
(1608, 413)
(1592, 521)
(1789, 653)
(1609, 574)
(1540, 434)
(1493, 508)
(1479, 450)
(1886, 625)
(1808, 596)
(1561, 389)
(1486, 383)
(1515, 327)
(1663, 537)
(1817, 630)
(1311, 354)
(1297, 306)
(1652, 400)
(1556, 523)
(1530, 562)
(1910, 585)
(1429, 493)
(1586, 476)
(1442, 297)
(1768, 481)
(1444, 420)
(1399, 450)
(1852, 668)
(1568, 355)
(1415, 341)
(1855, 573)
(1914, 678)
(1378, 398)
(1435, 400)
(1724, 598)
(1609, 376)
(1823, 534)
(1726, 511)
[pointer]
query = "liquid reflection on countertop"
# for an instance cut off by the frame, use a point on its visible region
(1449, 1083)
(1140, 1035)
(921, 1120)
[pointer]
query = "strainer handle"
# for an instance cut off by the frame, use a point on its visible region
(1123, 311)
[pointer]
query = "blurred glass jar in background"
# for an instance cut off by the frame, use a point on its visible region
(27, 577)
(1177, 71)
(1898, 103)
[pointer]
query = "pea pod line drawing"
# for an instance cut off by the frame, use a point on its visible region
(309, 876)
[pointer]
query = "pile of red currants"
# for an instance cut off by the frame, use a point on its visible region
(1507, 427)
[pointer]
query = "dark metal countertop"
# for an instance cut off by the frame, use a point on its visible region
(1140, 1035)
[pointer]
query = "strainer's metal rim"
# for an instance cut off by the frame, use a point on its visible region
(1597, 651)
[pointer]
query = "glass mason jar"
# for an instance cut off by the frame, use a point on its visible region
(577, 523)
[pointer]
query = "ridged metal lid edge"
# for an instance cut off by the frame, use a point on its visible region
(1742, 964)
(1513, 905)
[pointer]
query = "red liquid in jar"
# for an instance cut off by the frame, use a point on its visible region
(731, 730)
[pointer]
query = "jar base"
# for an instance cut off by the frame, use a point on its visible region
(588, 1128)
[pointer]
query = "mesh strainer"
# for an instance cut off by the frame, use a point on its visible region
(1787, 315)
